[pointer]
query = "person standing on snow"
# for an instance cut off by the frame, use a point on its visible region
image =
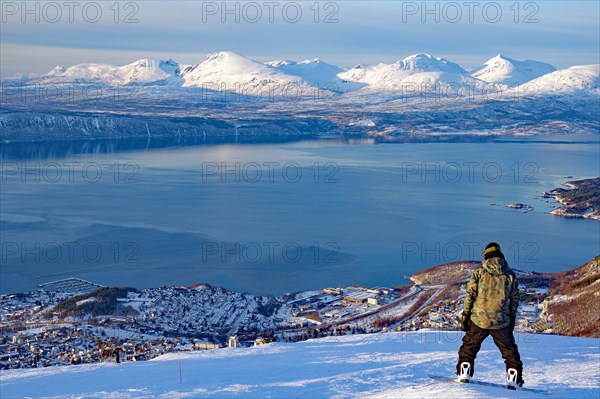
(117, 353)
(490, 308)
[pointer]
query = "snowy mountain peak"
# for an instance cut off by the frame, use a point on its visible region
(227, 57)
(316, 61)
(142, 71)
(316, 72)
(418, 70)
(423, 62)
(501, 56)
(148, 70)
(224, 53)
(228, 70)
(144, 63)
(278, 63)
(420, 56)
(57, 69)
(508, 71)
(230, 62)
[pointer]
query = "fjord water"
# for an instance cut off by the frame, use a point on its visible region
(282, 217)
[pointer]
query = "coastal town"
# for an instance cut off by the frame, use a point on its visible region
(74, 321)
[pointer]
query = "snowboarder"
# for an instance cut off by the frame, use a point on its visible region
(491, 303)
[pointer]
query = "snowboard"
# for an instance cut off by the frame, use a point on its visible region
(488, 384)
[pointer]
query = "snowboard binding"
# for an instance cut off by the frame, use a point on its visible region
(465, 373)
(511, 379)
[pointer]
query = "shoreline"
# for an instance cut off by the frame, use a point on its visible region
(580, 199)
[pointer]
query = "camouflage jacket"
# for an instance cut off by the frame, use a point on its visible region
(492, 294)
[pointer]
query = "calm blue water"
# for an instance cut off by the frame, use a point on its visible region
(282, 217)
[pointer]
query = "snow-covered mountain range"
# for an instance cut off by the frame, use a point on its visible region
(229, 94)
(222, 71)
(231, 71)
(141, 71)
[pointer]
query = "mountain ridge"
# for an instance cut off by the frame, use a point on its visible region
(231, 95)
(225, 69)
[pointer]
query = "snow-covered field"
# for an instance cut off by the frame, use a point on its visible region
(387, 365)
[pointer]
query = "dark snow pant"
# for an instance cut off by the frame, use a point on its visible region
(504, 340)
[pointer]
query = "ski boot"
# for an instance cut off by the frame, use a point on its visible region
(465, 373)
(511, 379)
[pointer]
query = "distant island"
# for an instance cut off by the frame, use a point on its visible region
(518, 205)
(581, 199)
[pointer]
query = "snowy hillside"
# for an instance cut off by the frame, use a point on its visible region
(507, 71)
(421, 70)
(577, 79)
(222, 71)
(387, 365)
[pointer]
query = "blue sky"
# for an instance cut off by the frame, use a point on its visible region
(563, 33)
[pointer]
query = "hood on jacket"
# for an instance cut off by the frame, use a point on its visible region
(495, 266)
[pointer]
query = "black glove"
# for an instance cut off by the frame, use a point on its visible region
(465, 322)
(513, 322)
